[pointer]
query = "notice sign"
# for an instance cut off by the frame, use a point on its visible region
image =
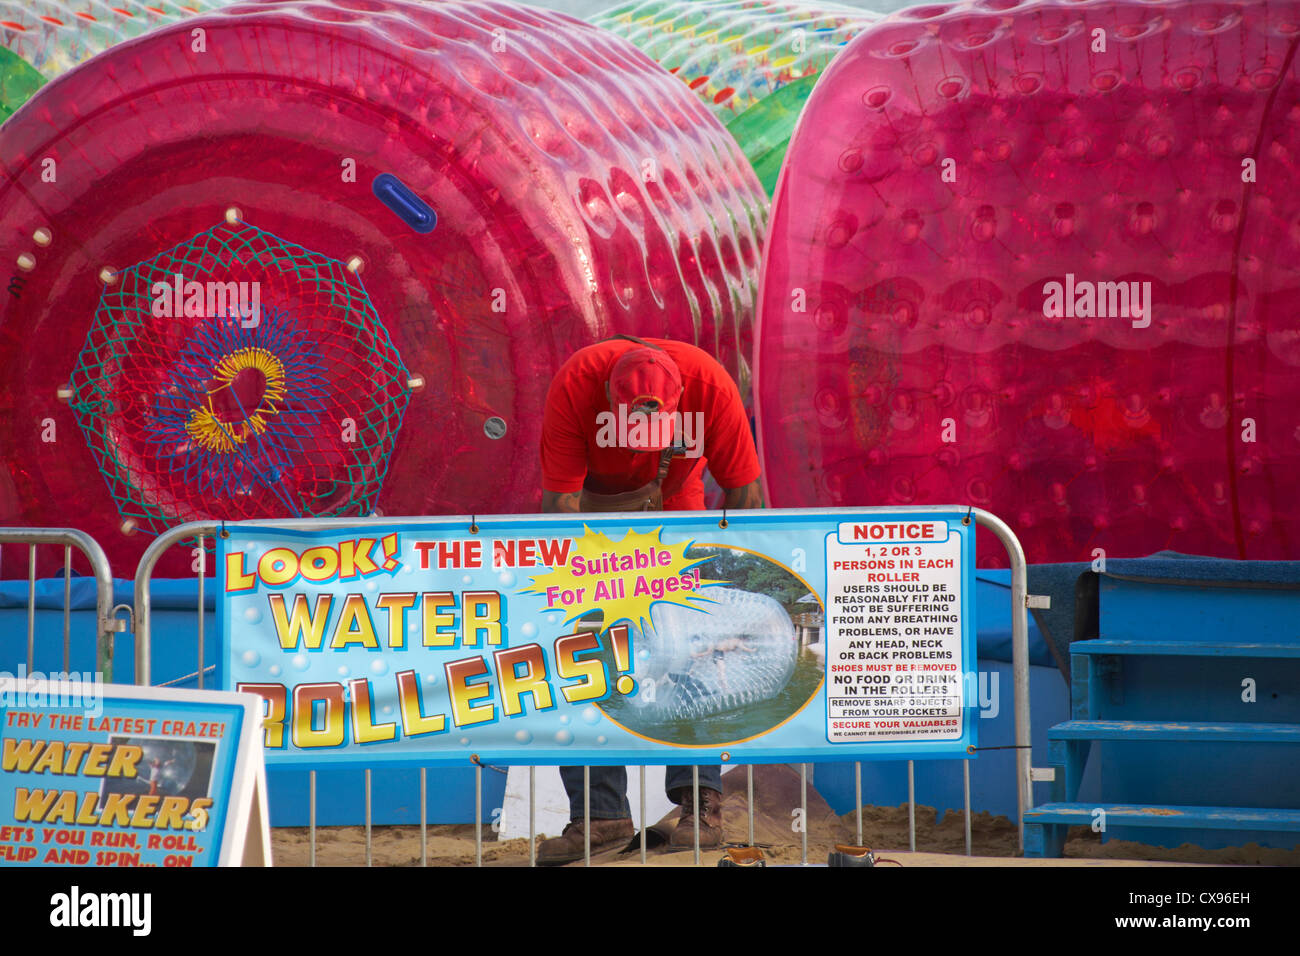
(106, 775)
(894, 630)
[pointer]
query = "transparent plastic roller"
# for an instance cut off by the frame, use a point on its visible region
(727, 655)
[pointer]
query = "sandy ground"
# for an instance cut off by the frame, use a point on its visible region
(885, 829)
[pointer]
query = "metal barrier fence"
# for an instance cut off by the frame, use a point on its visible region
(105, 624)
(200, 531)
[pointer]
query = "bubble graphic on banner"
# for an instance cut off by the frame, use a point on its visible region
(564, 737)
(250, 658)
(1037, 258)
(523, 737)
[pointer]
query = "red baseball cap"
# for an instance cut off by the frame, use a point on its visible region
(643, 376)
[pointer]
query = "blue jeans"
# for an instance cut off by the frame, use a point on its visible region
(609, 788)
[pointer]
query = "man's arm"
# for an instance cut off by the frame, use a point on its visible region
(553, 501)
(746, 496)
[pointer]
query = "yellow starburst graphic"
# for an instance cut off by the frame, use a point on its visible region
(623, 580)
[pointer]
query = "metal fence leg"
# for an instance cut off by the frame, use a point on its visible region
(643, 813)
(532, 816)
(67, 609)
(203, 566)
(424, 816)
(695, 789)
(803, 812)
(478, 814)
(369, 858)
(857, 791)
(749, 800)
(311, 812)
(586, 815)
(965, 786)
(911, 807)
(31, 608)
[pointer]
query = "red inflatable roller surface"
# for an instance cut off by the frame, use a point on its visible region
(1041, 258)
(478, 189)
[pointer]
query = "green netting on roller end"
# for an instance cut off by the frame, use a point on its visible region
(238, 375)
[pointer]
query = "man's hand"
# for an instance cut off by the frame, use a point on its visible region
(569, 502)
(747, 496)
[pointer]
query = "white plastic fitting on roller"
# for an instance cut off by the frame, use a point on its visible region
(693, 663)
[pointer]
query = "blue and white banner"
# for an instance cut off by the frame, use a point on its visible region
(659, 638)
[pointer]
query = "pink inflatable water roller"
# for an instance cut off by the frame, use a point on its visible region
(466, 193)
(1041, 258)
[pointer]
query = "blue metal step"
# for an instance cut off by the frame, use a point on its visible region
(1154, 815)
(1142, 730)
(1106, 648)
(1047, 826)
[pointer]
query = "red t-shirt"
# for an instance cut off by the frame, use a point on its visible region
(571, 456)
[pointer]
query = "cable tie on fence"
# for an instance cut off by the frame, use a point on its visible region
(473, 524)
(971, 750)
(476, 761)
(224, 532)
(194, 675)
(723, 522)
(969, 509)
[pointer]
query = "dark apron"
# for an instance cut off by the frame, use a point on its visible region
(649, 497)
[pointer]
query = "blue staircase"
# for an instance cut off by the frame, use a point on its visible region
(1194, 719)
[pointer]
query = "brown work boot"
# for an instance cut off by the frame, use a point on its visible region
(568, 846)
(683, 837)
